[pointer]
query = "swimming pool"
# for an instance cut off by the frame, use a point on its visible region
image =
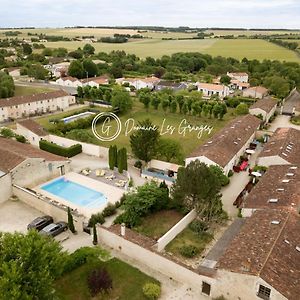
(75, 193)
(78, 116)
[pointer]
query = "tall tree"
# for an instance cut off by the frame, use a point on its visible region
(76, 69)
(88, 49)
(71, 221)
(29, 264)
(121, 100)
(144, 141)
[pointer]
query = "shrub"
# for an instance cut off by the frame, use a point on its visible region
(239, 214)
(59, 150)
(188, 251)
(198, 226)
(109, 210)
(230, 173)
(99, 280)
(70, 221)
(6, 132)
(96, 219)
(20, 138)
(151, 290)
(138, 164)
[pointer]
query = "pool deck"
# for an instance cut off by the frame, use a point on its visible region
(112, 193)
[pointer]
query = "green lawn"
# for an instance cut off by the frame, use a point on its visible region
(127, 282)
(188, 238)
(138, 113)
(157, 224)
(30, 90)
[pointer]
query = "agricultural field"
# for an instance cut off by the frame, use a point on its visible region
(30, 90)
(138, 113)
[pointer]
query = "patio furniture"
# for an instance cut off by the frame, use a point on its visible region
(100, 173)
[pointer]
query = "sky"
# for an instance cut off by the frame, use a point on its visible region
(173, 13)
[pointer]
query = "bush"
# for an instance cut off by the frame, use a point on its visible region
(99, 280)
(96, 219)
(138, 164)
(188, 251)
(109, 210)
(151, 290)
(230, 173)
(198, 226)
(20, 138)
(59, 150)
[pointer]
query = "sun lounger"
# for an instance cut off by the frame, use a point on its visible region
(100, 173)
(85, 172)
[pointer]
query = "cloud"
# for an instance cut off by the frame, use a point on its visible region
(193, 13)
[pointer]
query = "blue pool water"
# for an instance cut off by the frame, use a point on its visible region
(75, 193)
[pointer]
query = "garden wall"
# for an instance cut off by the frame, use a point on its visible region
(5, 187)
(163, 165)
(46, 207)
(175, 230)
(155, 261)
(86, 148)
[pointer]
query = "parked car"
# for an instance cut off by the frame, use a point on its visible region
(54, 229)
(40, 222)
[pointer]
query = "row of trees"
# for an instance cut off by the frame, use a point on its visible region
(101, 93)
(117, 158)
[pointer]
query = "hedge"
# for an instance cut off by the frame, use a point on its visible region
(59, 150)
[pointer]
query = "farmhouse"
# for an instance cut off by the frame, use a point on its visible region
(240, 76)
(239, 85)
(225, 147)
(69, 81)
(22, 106)
(283, 148)
(263, 260)
(278, 188)
(255, 92)
(95, 81)
(265, 107)
(170, 85)
(26, 165)
(209, 89)
(291, 105)
(140, 83)
(58, 69)
(32, 131)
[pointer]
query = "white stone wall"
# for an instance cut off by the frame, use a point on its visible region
(5, 187)
(258, 111)
(175, 230)
(33, 171)
(86, 148)
(32, 138)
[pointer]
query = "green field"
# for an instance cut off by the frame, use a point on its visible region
(188, 142)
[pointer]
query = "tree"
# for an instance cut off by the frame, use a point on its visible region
(124, 154)
(27, 50)
(112, 156)
(121, 100)
(155, 101)
(242, 109)
(169, 150)
(7, 86)
(70, 221)
(88, 49)
(197, 187)
(145, 98)
(76, 69)
(90, 67)
(95, 237)
(80, 92)
(225, 79)
(144, 141)
(29, 264)
(173, 106)
(224, 180)
(120, 161)
(165, 104)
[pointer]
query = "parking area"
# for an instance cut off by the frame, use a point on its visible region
(16, 215)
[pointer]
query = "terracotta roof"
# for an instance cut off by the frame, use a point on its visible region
(268, 192)
(257, 89)
(70, 78)
(32, 98)
(239, 83)
(224, 145)
(34, 127)
(13, 153)
(266, 104)
(210, 86)
(169, 84)
(237, 74)
(268, 250)
(99, 80)
(285, 143)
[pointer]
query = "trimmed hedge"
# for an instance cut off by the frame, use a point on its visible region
(59, 150)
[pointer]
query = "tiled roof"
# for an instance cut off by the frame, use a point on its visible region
(210, 86)
(278, 188)
(169, 84)
(33, 126)
(224, 145)
(70, 78)
(13, 153)
(99, 80)
(266, 104)
(268, 246)
(237, 74)
(285, 143)
(257, 89)
(32, 98)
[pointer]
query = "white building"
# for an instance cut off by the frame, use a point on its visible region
(240, 76)
(95, 81)
(140, 83)
(29, 105)
(225, 147)
(265, 107)
(210, 89)
(69, 81)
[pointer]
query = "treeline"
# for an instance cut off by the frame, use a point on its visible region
(7, 86)
(12, 33)
(120, 38)
(288, 45)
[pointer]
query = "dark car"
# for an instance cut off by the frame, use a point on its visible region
(54, 229)
(40, 222)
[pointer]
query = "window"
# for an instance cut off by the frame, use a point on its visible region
(205, 288)
(264, 292)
